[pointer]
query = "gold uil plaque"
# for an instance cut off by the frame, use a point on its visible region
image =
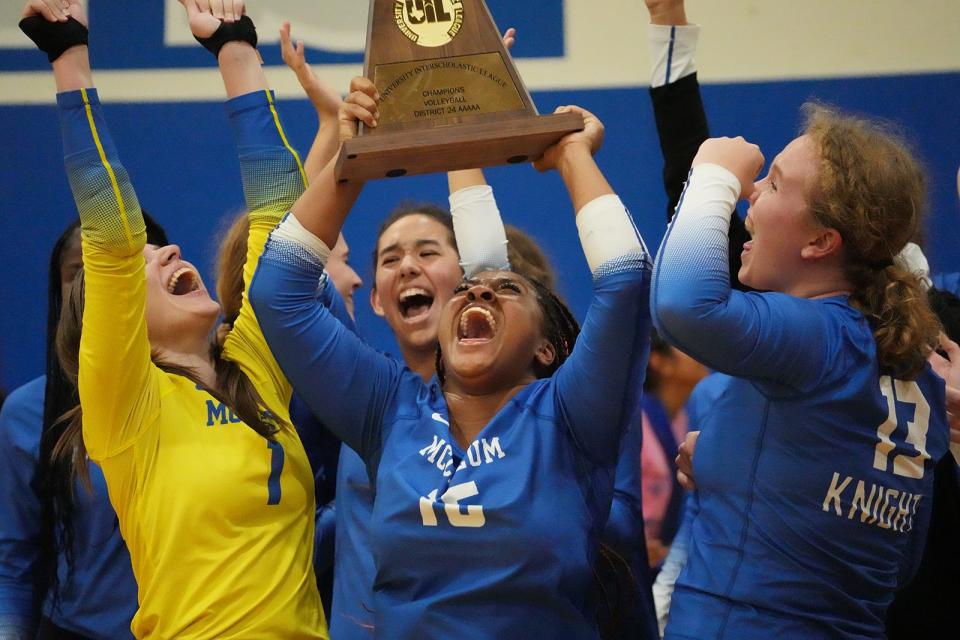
(450, 95)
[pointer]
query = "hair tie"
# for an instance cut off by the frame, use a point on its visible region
(880, 265)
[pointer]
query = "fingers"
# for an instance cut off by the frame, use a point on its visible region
(939, 364)
(951, 348)
(364, 85)
(51, 10)
(509, 38)
(287, 50)
(216, 8)
(357, 112)
(953, 401)
(685, 461)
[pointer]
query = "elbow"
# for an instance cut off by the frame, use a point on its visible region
(678, 315)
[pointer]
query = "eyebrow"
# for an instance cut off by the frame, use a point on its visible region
(417, 244)
(493, 283)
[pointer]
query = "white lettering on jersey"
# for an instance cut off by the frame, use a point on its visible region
(884, 507)
(481, 451)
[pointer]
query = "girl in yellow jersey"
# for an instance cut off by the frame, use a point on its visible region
(209, 480)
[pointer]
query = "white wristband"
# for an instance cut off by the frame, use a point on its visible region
(291, 230)
(710, 190)
(478, 228)
(607, 231)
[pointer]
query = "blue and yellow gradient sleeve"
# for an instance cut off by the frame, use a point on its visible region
(118, 383)
(273, 179)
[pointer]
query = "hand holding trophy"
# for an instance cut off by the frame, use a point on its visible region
(450, 95)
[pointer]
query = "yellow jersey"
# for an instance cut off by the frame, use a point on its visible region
(218, 520)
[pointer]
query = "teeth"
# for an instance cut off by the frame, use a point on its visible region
(172, 285)
(465, 317)
(415, 291)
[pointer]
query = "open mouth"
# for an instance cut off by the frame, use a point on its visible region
(477, 326)
(414, 303)
(183, 281)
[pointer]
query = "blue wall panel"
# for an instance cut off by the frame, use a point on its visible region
(183, 166)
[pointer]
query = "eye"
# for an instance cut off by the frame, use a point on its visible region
(387, 261)
(461, 288)
(428, 253)
(773, 185)
(510, 286)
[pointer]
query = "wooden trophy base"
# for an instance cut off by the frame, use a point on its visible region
(510, 140)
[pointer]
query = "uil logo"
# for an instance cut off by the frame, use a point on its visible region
(429, 23)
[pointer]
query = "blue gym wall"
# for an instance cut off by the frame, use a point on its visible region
(181, 159)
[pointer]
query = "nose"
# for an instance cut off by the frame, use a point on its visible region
(756, 192)
(168, 254)
(409, 265)
(480, 292)
(355, 280)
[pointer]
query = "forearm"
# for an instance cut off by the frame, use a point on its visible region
(599, 385)
(270, 168)
(324, 206)
(240, 69)
(110, 214)
(71, 70)
(582, 177)
(457, 180)
(478, 227)
(325, 145)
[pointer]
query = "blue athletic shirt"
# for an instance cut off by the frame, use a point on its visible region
(497, 540)
(99, 596)
(814, 468)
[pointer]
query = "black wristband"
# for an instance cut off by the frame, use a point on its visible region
(54, 38)
(242, 30)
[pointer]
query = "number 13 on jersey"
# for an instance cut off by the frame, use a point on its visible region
(906, 392)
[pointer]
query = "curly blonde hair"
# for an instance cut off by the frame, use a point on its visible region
(871, 189)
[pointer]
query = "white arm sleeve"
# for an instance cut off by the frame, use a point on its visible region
(607, 231)
(290, 229)
(672, 49)
(478, 227)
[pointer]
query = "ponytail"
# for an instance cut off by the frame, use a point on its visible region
(871, 189)
(904, 326)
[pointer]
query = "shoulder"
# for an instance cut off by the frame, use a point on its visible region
(22, 414)
(26, 401)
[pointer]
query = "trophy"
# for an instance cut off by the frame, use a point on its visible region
(450, 95)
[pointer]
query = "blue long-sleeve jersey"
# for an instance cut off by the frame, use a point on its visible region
(99, 596)
(814, 468)
(497, 539)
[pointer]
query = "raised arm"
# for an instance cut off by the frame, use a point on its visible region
(117, 380)
(273, 176)
(346, 384)
(597, 388)
(769, 336)
(675, 93)
(324, 99)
